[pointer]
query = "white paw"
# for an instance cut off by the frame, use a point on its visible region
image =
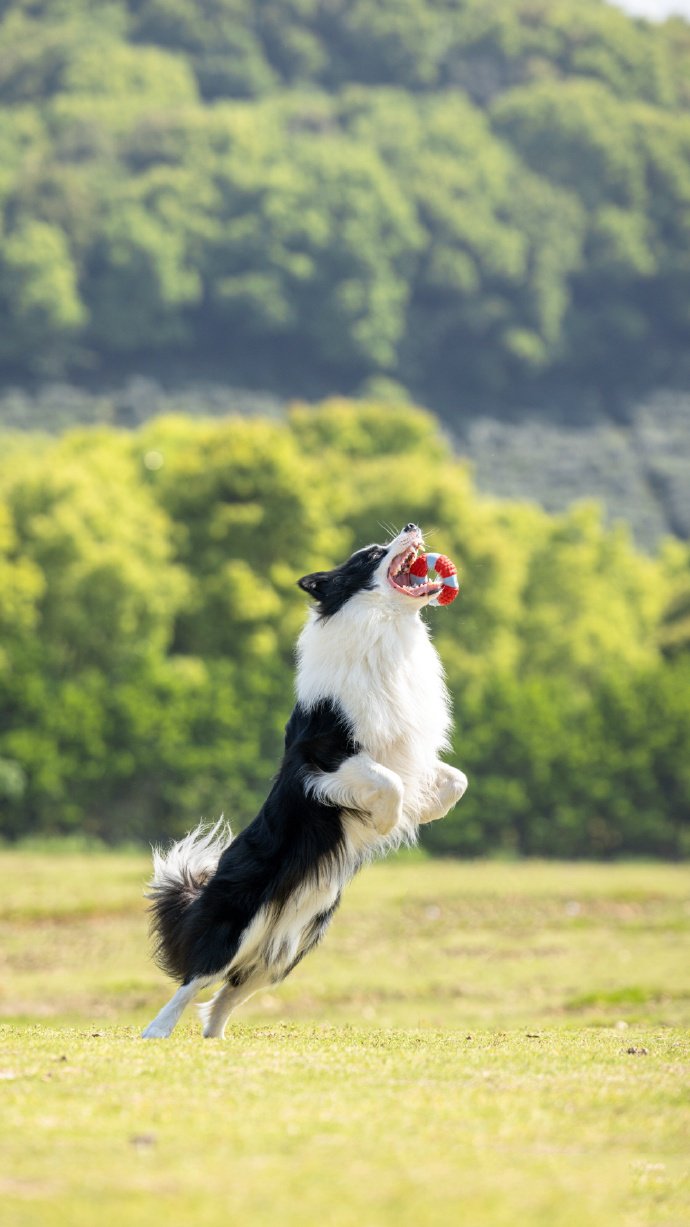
(458, 786)
(386, 805)
(451, 786)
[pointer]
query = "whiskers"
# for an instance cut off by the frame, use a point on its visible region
(389, 528)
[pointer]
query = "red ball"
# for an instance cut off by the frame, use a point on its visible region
(420, 567)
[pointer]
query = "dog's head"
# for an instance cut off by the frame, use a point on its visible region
(379, 573)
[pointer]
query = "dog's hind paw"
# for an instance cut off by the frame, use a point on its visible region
(155, 1031)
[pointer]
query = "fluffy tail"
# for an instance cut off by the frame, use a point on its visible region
(179, 876)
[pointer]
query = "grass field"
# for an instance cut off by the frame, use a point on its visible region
(485, 1044)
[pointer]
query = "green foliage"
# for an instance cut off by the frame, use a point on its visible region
(38, 291)
(627, 166)
(490, 292)
(449, 195)
(148, 613)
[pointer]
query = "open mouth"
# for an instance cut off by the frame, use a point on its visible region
(401, 578)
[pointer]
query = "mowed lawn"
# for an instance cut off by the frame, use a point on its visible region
(480, 1044)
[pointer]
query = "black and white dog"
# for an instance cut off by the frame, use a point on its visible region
(360, 773)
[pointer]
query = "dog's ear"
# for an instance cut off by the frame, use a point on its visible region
(315, 584)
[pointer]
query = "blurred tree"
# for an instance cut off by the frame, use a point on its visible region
(632, 284)
(38, 293)
(219, 37)
(105, 596)
(491, 288)
(446, 194)
(244, 502)
(148, 613)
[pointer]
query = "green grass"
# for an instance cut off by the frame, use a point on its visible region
(484, 1044)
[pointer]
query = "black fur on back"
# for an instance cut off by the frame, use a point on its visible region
(197, 925)
(331, 589)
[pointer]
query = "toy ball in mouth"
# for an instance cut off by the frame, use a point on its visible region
(446, 572)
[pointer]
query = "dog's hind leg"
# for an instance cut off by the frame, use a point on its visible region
(164, 1022)
(216, 1012)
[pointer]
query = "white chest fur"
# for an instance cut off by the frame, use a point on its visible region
(384, 672)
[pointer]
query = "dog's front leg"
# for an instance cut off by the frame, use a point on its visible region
(362, 784)
(448, 785)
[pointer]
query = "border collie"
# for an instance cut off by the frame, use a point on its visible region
(360, 773)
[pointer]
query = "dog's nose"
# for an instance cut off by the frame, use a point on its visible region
(410, 528)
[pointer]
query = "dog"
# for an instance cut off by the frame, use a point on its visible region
(360, 773)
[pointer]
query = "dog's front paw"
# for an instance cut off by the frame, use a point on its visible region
(387, 822)
(155, 1031)
(454, 788)
(450, 785)
(386, 805)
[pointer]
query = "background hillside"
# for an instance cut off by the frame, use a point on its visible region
(472, 199)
